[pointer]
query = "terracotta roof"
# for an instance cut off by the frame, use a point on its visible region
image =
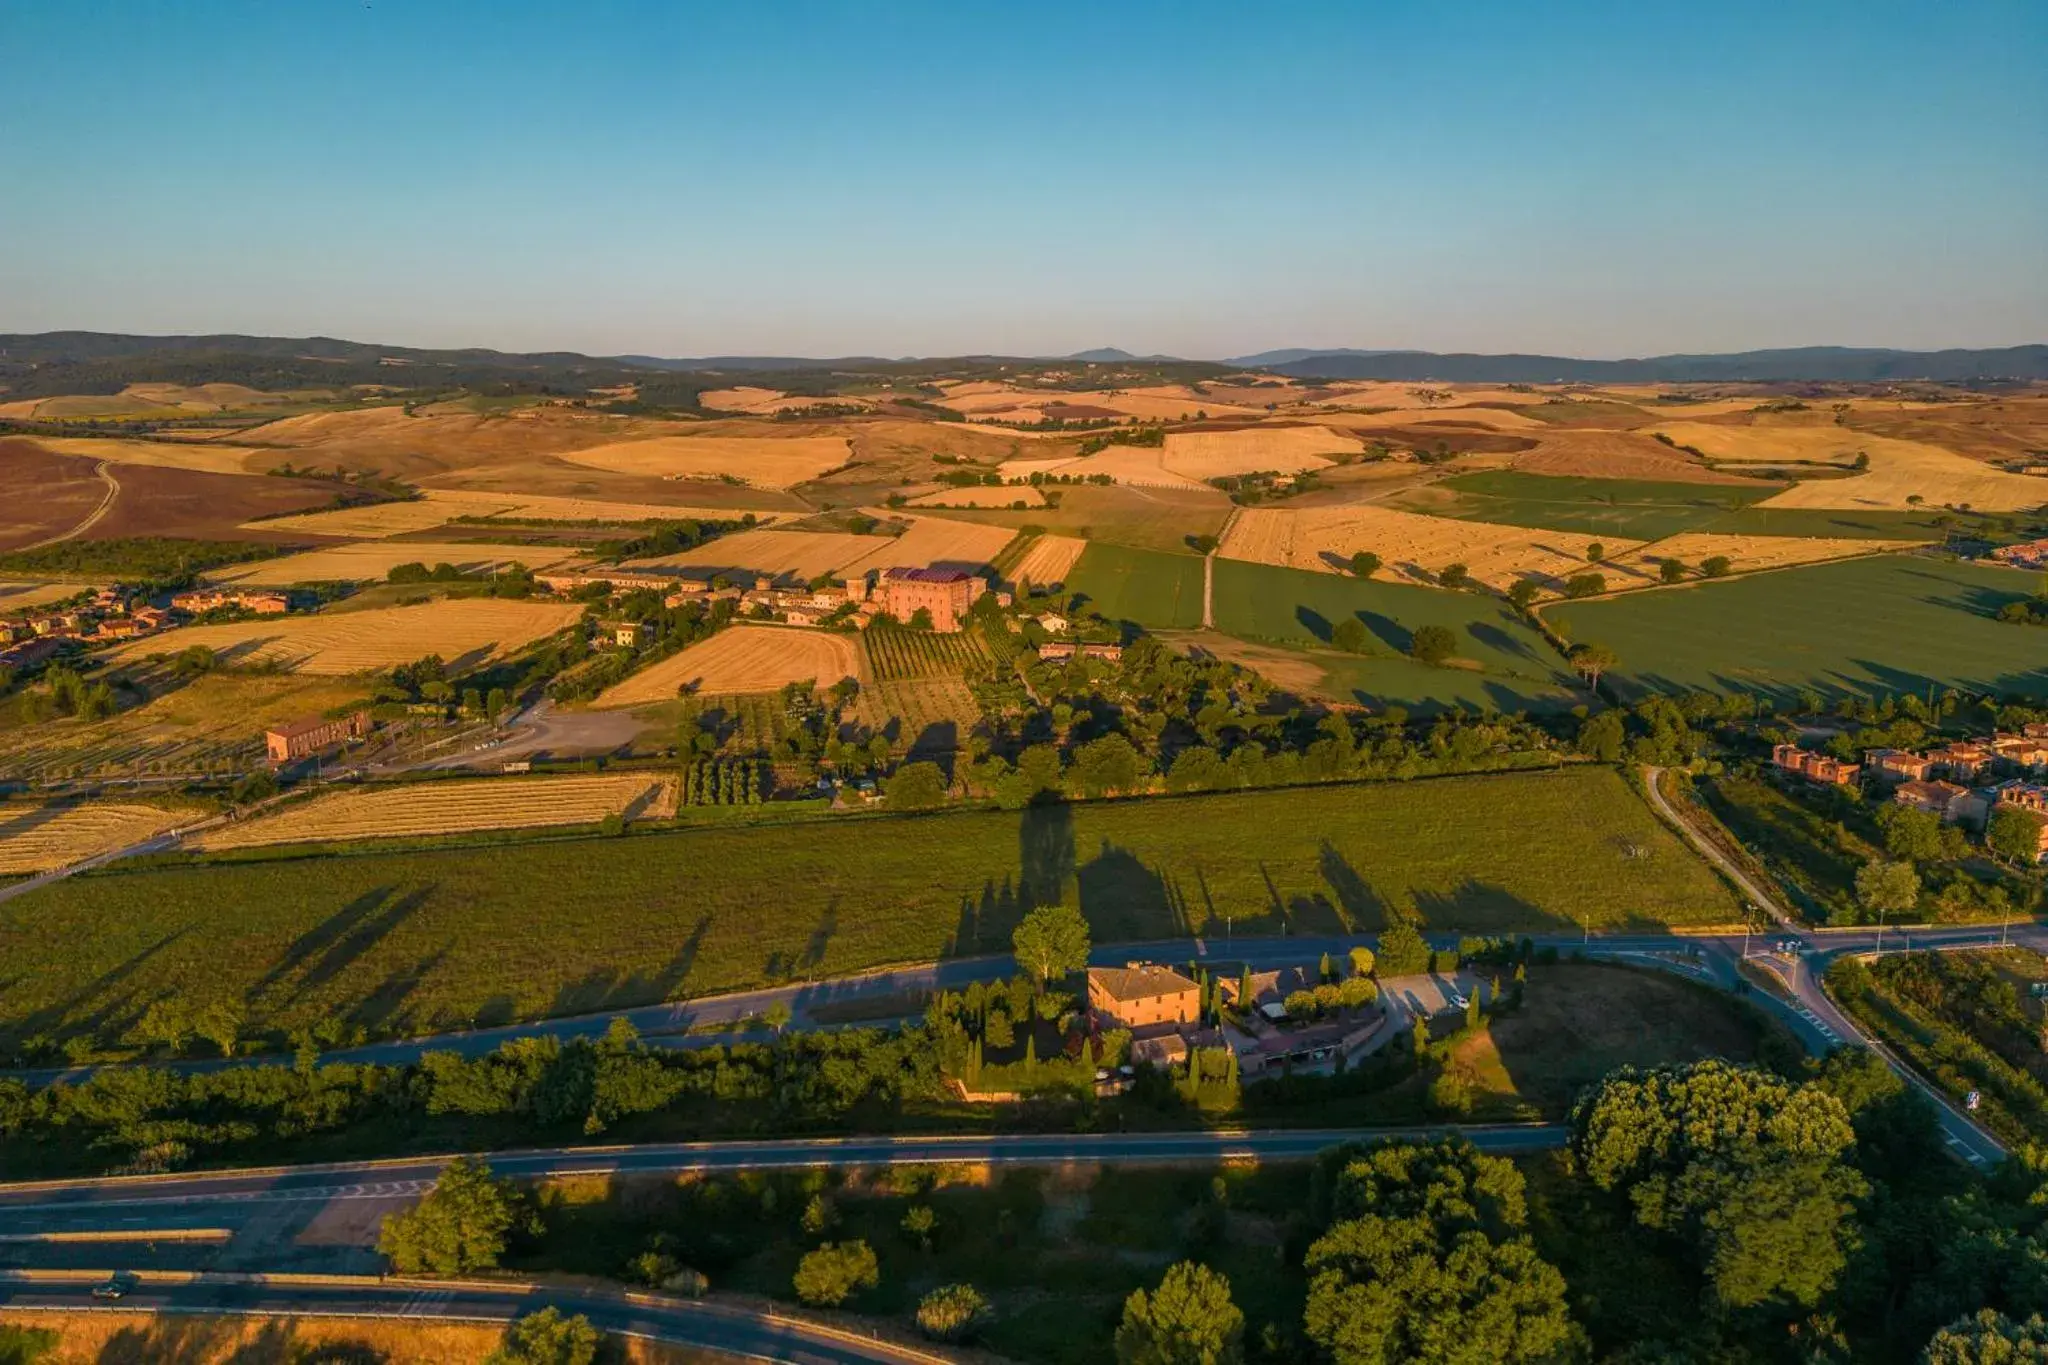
(1144, 982)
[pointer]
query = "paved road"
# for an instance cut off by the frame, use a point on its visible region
(732, 1329)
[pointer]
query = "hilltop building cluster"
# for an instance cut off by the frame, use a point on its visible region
(117, 613)
(1162, 1007)
(946, 595)
(1962, 782)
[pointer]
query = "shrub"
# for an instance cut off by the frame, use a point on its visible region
(952, 1312)
(465, 1223)
(548, 1338)
(1433, 644)
(835, 1272)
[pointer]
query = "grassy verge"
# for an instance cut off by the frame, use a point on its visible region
(425, 941)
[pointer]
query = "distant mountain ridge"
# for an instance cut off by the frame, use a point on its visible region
(1840, 364)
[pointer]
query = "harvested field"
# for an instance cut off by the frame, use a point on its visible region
(464, 631)
(1422, 420)
(937, 542)
(207, 458)
(988, 401)
(767, 462)
(158, 501)
(778, 554)
(16, 597)
(1410, 544)
(1745, 553)
(1150, 518)
(1048, 559)
(440, 506)
(1205, 455)
(1876, 627)
(981, 495)
(209, 725)
(1899, 472)
(372, 560)
(452, 807)
(1618, 455)
(39, 838)
(749, 658)
(1137, 466)
(528, 929)
(764, 402)
(43, 494)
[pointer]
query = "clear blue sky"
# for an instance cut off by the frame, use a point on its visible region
(904, 178)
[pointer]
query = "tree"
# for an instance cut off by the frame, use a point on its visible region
(1716, 566)
(915, 786)
(1188, 1320)
(1671, 570)
(1428, 1260)
(1432, 644)
(548, 1338)
(919, 1224)
(25, 1345)
(777, 1016)
(1522, 592)
(835, 1272)
(1887, 888)
(1454, 576)
(1589, 661)
(1402, 951)
(1989, 1338)
(1747, 1171)
(952, 1312)
(1202, 545)
(1361, 961)
(2013, 834)
(1051, 943)
(464, 1223)
(1602, 737)
(1365, 563)
(1108, 765)
(1351, 636)
(1595, 552)
(1585, 585)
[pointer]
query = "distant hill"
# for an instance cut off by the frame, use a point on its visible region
(1840, 364)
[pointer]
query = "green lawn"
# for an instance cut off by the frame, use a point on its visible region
(421, 941)
(1885, 625)
(1299, 607)
(1643, 509)
(1156, 589)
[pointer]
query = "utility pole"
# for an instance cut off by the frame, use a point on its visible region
(1880, 933)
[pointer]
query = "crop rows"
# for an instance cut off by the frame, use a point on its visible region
(38, 838)
(450, 808)
(895, 654)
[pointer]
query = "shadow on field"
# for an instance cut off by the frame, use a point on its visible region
(1391, 632)
(604, 988)
(114, 1009)
(341, 938)
(380, 1008)
(1493, 637)
(1314, 622)
(190, 1341)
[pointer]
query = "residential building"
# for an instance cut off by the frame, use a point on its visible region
(1814, 767)
(2032, 554)
(1963, 761)
(201, 600)
(1059, 651)
(1897, 765)
(618, 579)
(2022, 750)
(625, 633)
(1142, 995)
(2029, 796)
(1955, 805)
(1053, 623)
(299, 738)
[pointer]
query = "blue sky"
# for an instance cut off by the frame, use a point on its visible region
(1207, 180)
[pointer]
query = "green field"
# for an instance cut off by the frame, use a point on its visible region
(422, 941)
(1389, 680)
(1889, 624)
(1296, 606)
(1158, 590)
(1642, 509)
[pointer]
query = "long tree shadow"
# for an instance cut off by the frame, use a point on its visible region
(323, 936)
(360, 939)
(1362, 907)
(1478, 907)
(54, 1016)
(1045, 853)
(1123, 898)
(985, 921)
(382, 1006)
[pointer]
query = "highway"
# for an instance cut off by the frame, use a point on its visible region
(734, 1329)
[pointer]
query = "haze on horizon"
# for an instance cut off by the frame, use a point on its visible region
(1597, 180)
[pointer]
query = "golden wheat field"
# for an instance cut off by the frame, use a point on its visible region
(1049, 559)
(464, 631)
(441, 506)
(1285, 450)
(451, 807)
(1902, 474)
(1617, 455)
(1325, 538)
(798, 554)
(981, 495)
(207, 458)
(936, 541)
(1745, 553)
(747, 398)
(742, 659)
(765, 462)
(39, 838)
(369, 560)
(1420, 419)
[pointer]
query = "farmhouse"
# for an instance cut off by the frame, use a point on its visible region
(2031, 554)
(1142, 995)
(1955, 805)
(902, 593)
(1059, 651)
(1814, 767)
(298, 738)
(2030, 796)
(1963, 761)
(1897, 765)
(2022, 750)
(570, 582)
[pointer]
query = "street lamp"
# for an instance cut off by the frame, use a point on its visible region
(1880, 930)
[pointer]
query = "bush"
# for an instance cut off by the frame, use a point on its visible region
(548, 1338)
(1402, 951)
(952, 1312)
(835, 1272)
(465, 1223)
(915, 786)
(1433, 644)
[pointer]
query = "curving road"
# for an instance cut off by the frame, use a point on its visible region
(732, 1329)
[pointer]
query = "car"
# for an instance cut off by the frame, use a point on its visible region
(1458, 1001)
(113, 1287)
